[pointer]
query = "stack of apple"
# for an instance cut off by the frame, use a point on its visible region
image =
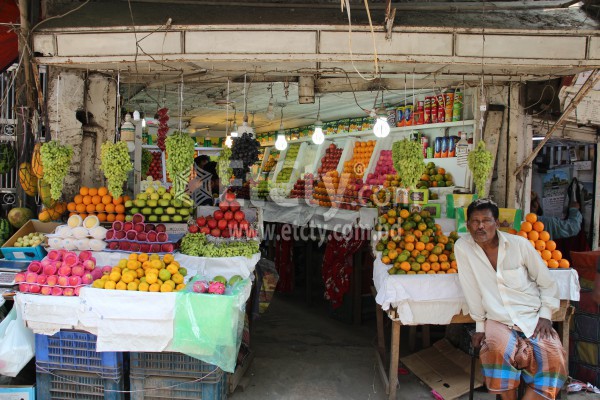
(155, 170)
(158, 205)
(60, 273)
(136, 235)
(228, 221)
(331, 159)
(384, 167)
(303, 187)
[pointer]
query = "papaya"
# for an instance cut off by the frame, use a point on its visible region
(36, 161)
(45, 196)
(27, 179)
(49, 214)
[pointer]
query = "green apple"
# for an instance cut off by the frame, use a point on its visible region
(165, 218)
(159, 211)
(167, 196)
(146, 211)
(171, 210)
(140, 203)
(134, 210)
(153, 218)
(177, 218)
(152, 203)
(183, 211)
(221, 279)
(142, 196)
(128, 218)
(163, 203)
(161, 190)
(154, 196)
(176, 203)
(150, 190)
(128, 204)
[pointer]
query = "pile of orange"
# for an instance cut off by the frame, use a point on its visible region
(412, 243)
(533, 230)
(97, 201)
(361, 157)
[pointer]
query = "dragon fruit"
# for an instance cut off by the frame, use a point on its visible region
(216, 288)
(200, 287)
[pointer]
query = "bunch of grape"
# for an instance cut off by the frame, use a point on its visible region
(408, 161)
(155, 170)
(480, 164)
(244, 153)
(180, 157)
(223, 168)
(163, 128)
(56, 160)
(116, 164)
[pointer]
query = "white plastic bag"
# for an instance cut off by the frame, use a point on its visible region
(17, 344)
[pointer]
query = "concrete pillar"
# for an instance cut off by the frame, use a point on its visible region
(95, 94)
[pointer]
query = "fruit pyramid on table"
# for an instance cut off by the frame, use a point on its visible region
(533, 230)
(99, 202)
(412, 243)
(159, 205)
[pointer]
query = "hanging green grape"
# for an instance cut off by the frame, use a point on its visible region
(480, 163)
(223, 166)
(180, 157)
(116, 164)
(56, 159)
(408, 161)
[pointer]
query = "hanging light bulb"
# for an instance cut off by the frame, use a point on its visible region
(317, 136)
(281, 142)
(136, 115)
(143, 122)
(382, 127)
(234, 131)
(228, 141)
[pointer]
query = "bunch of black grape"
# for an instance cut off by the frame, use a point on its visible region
(244, 153)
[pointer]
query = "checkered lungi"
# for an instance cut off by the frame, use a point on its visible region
(506, 355)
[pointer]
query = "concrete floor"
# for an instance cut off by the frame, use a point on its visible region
(302, 353)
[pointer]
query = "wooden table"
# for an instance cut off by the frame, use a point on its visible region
(390, 378)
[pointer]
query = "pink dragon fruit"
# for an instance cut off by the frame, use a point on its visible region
(200, 287)
(216, 288)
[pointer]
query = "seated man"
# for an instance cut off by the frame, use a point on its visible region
(511, 296)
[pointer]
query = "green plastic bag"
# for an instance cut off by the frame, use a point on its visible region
(208, 326)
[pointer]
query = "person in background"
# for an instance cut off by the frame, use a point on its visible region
(511, 296)
(201, 160)
(558, 228)
(211, 167)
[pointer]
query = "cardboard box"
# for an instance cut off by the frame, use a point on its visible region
(27, 253)
(17, 392)
(444, 368)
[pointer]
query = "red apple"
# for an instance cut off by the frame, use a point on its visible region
(229, 196)
(215, 232)
(228, 215)
(212, 224)
(224, 206)
(222, 224)
(201, 221)
(193, 229)
(239, 215)
(234, 206)
(218, 215)
(205, 230)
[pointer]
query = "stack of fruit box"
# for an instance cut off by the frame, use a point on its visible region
(584, 362)
(175, 376)
(68, 366)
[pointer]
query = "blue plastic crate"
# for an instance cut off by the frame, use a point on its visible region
(173, 365)
(76, 351)
(24, 253)
(161, 387)
(66, 385)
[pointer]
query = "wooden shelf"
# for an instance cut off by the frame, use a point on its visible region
(393, 131)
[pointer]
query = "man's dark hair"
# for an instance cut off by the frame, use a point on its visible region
(483, 204)
(198, 160)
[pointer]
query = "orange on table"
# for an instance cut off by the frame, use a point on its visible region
(83, 215)
(540, 245)
(72, 206)
(545, 236)
(78, 199)
(90, 208)
(80, 208)
(533, 235)
(102, 217)
(119, 200)
(99, 207)
(120, 217)
(119, 208)
(96, 199)
(531, 218)
(538, 226)
(523, 234)
(553, 263)
(556, 255)
(110, 218)
(87, 199)
(102, 191)
(110, 208)
(564, 263)
(106, 199)
(526, 226)
(84, 191)
(546, 255)
(92, 191)
(551, 245)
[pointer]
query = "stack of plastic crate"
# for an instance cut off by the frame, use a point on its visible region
(69, 367)
(175, 376)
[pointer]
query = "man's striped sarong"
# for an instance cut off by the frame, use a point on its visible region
(507, 355)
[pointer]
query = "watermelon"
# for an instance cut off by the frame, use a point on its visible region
(19, 216)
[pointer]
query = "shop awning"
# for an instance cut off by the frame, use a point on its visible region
(9, 47)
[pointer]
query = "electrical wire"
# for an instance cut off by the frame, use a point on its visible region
(346, 3)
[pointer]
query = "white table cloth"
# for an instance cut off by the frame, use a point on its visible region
(435, 299)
